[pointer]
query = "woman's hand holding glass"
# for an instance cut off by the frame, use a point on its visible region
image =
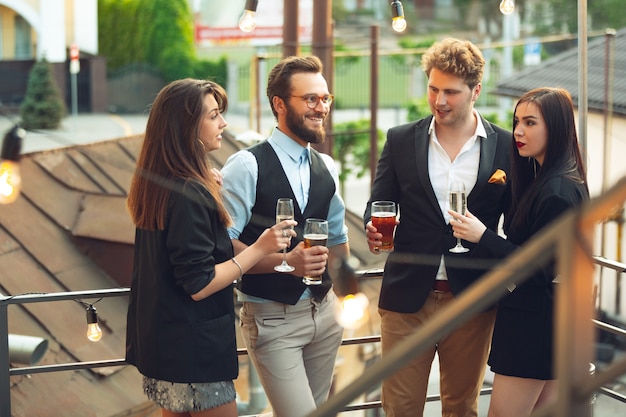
(467, 227)
(277, 237)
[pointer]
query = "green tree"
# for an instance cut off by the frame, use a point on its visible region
(118, 32)
(552, 16)
(43, 106)
(351, 147)
(494, 118)
(167, 37)
(418, 108)
(159, 33)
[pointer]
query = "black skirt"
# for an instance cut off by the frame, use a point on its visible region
(522, 344)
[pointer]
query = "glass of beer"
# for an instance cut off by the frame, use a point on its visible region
(384, 220)
(315, 234)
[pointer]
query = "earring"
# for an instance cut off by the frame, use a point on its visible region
(201, 144)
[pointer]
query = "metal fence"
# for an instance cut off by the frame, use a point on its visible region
(573, 401)
(400, 81)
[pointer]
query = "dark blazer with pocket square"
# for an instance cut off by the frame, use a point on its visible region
(423, 234)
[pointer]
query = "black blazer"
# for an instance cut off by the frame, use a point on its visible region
(169, 336)
(522, 340)
(555, 197)
(423, 235)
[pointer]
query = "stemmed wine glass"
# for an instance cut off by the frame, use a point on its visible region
(458, 203)
(284, 211)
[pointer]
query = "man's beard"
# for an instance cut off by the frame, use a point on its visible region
(295, 123)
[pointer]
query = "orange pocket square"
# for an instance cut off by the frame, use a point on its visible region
(498, 177)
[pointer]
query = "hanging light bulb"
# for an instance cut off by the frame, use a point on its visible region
(247, 22)
(398, 23)
(94, 333)
(507, 6)
(10, 178)
(10, 181)
(352, 309)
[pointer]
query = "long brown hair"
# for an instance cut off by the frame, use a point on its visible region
(172, 152)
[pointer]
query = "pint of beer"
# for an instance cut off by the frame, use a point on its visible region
(384, 220)
(315, 234)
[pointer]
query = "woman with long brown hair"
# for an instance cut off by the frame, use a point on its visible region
(181, 321)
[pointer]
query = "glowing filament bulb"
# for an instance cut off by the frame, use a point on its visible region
(94, 333)
(398, 24)
(507, 6)
(352, 311)
(247, 22)
(10, 178)
(10, 181)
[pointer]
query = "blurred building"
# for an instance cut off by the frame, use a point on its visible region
(31, 30)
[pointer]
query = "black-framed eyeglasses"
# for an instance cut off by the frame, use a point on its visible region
(312, 100)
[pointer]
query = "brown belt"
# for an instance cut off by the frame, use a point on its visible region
(441, 285)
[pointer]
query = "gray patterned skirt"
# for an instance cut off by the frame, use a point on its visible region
(183, 397)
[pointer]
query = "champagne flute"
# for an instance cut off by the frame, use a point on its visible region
(284, 211)
(458, 203)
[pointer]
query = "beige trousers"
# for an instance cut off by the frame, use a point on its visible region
(462, 362)
(293, 349)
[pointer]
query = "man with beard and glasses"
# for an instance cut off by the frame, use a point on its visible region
(288, 327)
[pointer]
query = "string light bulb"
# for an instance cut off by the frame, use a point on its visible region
(507, 6)
(94, 333)
(247, 23)
(352, 308)
(398, 22)
(352, 311)
(10, 177)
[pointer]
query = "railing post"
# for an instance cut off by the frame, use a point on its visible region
(574, 335)
(5, 380)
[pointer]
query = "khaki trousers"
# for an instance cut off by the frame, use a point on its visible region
(462, 362)
(293, 349)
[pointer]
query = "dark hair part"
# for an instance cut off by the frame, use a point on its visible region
(455, 57)
(171, 151)
(279, 79)
(562, 157)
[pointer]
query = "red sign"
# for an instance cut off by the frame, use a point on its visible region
(74, 52)
(206, 33)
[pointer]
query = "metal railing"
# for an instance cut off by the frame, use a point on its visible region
(568, 239)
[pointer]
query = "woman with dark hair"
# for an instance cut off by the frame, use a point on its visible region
(547, 178)
(181, 322)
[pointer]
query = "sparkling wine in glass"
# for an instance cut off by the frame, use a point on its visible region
(284, 211)
(458, 203)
